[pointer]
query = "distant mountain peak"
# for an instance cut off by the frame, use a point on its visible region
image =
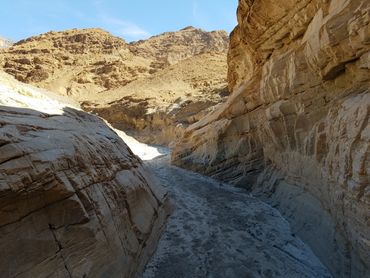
(95, 60)
(188, 28)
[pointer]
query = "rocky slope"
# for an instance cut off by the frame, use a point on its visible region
(172, 47)
(159, 108)
(97, 69)
(74, 200)
(74, 62)
(296, 128)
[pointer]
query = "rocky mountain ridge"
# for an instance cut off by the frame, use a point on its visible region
(99, 70)
(99, 61)
(172, 47)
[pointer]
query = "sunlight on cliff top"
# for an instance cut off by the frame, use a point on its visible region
(17, 94)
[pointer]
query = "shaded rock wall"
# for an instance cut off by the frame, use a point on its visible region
(296, 128)
(74, 200)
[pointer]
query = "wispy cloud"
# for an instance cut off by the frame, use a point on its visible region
(126, 29)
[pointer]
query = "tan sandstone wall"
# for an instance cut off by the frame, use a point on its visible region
(296, 128)
(74, 200)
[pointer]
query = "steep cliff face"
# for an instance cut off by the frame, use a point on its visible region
(74, 200)
(296, 128)
(171, 47)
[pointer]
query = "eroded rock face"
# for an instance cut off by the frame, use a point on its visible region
(159, 108)
(296, 128)
(171, 47)
(74, 200)
(73, 62)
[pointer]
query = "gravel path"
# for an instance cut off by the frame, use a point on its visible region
(221, 231)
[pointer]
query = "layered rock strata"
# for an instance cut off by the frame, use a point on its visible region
(296, 128)
(74, 200)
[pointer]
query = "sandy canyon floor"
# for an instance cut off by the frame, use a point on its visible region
(221, 231)
(218, 230)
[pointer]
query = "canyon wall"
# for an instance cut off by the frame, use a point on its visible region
(74, 200)
(295, 130)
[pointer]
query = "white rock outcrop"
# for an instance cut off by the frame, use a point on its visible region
(74, 200)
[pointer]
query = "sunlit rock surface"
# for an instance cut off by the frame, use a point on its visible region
(4, 43)
(296, 127)
(74, 200)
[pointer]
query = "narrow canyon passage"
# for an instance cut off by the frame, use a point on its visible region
(220, 231)
(264, 109)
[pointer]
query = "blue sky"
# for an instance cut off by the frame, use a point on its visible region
(129, 19)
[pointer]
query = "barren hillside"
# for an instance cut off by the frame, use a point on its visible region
(175, 70)
(158, 108)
